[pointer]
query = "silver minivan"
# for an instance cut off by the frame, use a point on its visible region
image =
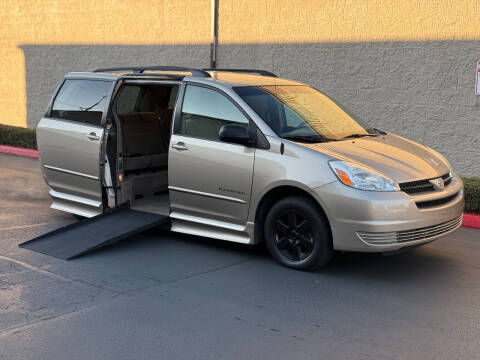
(243, 156)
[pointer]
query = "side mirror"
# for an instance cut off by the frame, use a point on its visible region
(236, 134)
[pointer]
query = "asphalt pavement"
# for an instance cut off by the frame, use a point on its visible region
(161, 295)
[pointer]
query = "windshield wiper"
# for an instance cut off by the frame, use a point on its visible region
(381, 132)
(91, 107)
(308, 139)
(357, 136)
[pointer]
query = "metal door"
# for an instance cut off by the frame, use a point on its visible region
(209, 178)
(70, 145)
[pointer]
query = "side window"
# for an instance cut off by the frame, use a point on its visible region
(204, 111)
(81, 100)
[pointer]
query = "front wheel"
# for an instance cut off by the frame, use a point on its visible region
(297, 234)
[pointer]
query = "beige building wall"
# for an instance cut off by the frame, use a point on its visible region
(294, 21)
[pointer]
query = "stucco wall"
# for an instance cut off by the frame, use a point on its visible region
(404, 66)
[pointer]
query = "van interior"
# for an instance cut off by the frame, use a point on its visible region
(143, 114)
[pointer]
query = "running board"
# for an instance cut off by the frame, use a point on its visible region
(88, 235)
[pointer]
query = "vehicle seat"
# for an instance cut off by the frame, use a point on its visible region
(144, 141)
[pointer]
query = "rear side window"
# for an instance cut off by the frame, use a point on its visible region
(81, 100)
(127, 99)
(204, 111)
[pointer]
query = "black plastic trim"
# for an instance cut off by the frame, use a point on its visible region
(247, 71)
(436, 202)
(262, 142)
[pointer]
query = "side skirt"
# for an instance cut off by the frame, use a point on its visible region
(75, 204)
(193, 225)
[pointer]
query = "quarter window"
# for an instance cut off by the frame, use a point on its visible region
(81, 100)
(292, 119)
(204, 111)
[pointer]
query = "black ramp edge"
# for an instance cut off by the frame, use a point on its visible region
(91, 234)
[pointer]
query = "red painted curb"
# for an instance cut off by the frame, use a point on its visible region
(471, 221)
(12, 150)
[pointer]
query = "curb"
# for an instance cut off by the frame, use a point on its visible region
(469, 220)
(12, 150)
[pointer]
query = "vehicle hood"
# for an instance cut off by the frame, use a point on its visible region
(398, 158)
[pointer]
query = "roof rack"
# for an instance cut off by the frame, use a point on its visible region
(249, 71)
(141, 69)
(157, 75)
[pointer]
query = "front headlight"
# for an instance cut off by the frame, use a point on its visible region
(359, 177)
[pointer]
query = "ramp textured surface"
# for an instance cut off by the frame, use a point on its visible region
(88, 235)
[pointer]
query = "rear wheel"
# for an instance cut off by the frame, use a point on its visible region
(297, 234)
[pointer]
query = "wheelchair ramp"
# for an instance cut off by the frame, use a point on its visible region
(91, 234)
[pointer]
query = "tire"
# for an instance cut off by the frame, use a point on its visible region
(297, 234)
(78, 217)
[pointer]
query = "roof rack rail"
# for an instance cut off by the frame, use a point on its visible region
(141, 69)
(250, 71)
(158, 75)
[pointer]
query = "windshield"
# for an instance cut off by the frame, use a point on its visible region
(301, 113)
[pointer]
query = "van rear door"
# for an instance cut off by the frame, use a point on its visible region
(70, 140)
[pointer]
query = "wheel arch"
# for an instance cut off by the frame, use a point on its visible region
(271, 197)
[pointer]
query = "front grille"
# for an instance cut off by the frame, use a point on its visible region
(405, 236)
(436, 202)
(419, 186)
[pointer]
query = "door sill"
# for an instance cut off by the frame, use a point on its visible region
(153, 204)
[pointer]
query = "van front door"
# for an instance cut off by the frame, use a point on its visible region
(209, 181)
(70, 145)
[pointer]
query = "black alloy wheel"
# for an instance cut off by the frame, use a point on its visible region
(297, 233)
(294, 235)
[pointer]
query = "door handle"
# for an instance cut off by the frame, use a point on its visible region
(180, 146)
(92, 136)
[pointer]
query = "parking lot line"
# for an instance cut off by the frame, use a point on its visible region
(23, 226)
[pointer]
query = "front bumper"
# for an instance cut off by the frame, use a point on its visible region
(369, 221)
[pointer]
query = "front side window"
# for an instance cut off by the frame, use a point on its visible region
(204, 111)
(301, 113)
(82, 100)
